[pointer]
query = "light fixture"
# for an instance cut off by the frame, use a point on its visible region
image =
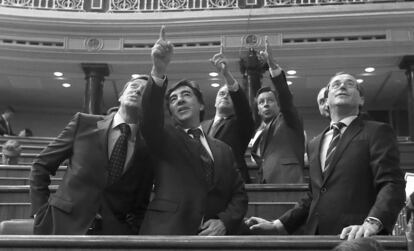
(291, 72)
(58, 74)
(369, 69)
(215, 85)
(360, 80)
(213, 74)
(66, 85)
(289, 82)
(135, 75)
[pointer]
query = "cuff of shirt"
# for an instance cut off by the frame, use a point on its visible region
(158, 81)
(234, 87)
(275, 72)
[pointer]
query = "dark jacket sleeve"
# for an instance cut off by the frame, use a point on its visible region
(153, 115)
(243, 114)
(48, 161)
(285, 101)
(388, 176)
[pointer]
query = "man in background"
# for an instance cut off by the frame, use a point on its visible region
(279, 150)
(233, 122)
(5, 118)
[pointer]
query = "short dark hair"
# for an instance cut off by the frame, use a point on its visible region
(265, 89)
(193, 86)
(144, 77)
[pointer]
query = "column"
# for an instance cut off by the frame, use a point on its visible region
(94, 75)
(252, 70)
(407, 63)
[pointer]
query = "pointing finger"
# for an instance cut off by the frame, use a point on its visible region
(222, 45)
(162, 32)
(267, 42)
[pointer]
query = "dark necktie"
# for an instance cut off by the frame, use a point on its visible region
(205, 156)
(336, 127)
(216, 125)
(118, 155)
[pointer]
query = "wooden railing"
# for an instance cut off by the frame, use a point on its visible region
(222, 243)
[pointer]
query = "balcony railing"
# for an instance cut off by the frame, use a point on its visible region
(167, 5)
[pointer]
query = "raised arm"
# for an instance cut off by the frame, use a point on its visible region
(284, 96)
(153, 98)
(240, 102)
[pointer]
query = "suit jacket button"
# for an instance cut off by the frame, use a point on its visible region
(323, 189)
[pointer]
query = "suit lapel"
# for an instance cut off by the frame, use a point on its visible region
(265, 136)
(317, 145)
(353, 129)
(217, 157)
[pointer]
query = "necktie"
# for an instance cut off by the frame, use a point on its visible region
(118, 155)
(216, 125)
(336, 127)
(205, 156)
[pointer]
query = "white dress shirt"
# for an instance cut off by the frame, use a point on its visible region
(328, 137)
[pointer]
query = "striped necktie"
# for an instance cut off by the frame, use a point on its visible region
(336, 127)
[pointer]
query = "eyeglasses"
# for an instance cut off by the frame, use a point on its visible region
(347, 83)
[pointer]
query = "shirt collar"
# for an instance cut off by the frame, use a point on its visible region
(347, 121)
(119, 120)
(199, 127)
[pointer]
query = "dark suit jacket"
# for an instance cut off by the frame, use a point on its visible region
(284, 141)
(364, 180)
(3, 127)
(182, 198)
(84, 192)
(236, 131)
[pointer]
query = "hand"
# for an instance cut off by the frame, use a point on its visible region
(161, 54)
(267, 56)
(358, 231)
(213, 227)
(261, 226)
(219, 61)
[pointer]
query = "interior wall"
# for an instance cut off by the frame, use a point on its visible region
(42, 124)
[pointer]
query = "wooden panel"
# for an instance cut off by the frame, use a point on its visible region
(276, 192)
(24, 171)
(10, 211)
(18, 181)
(268, 210)
(104, 243)
(18, 194)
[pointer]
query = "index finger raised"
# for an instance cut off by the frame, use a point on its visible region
(162, 32)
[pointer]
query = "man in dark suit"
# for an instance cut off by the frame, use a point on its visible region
(5, 127)
(280, 148)
(107, 184)
(198, 188)
(357, 186)
(233, 122)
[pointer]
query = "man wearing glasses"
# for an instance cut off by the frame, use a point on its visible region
(357, 186)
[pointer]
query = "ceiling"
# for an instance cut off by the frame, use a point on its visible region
(316, 42)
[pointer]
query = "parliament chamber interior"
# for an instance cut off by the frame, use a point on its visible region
(58, 58)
